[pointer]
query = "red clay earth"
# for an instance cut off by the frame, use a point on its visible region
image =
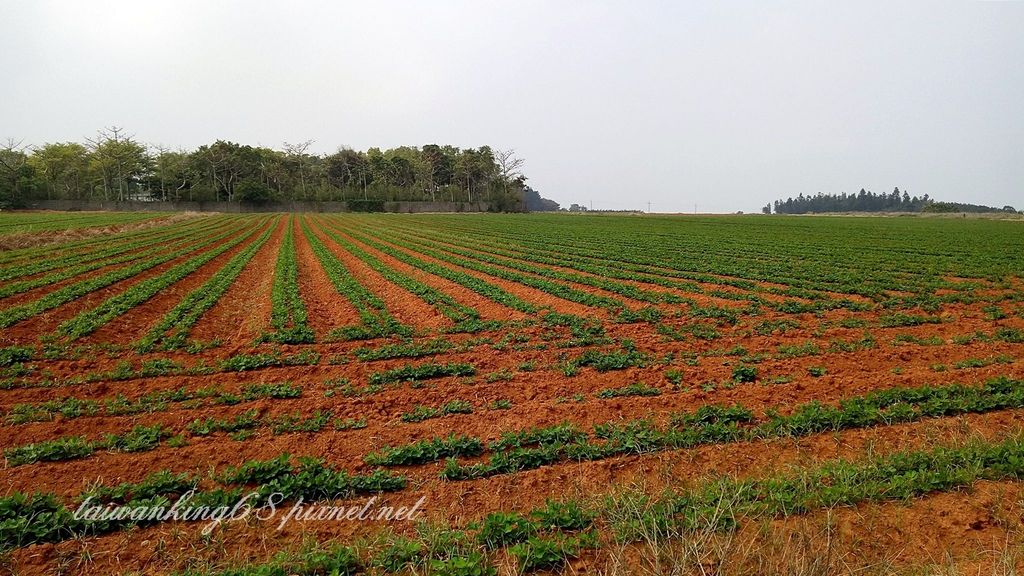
(29, 330)
(488, 309)
(243, 313)
(406, 307)
(968, 524)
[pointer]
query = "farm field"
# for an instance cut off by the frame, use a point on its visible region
(570, 394)
(25, 222)
(26, 228)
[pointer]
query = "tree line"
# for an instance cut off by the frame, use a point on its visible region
(865, 201)
(115, 166)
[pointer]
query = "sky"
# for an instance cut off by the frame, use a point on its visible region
(706, 106)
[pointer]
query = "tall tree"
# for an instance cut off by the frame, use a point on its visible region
(114, 166)
(296, 154)
(173, 173)
(509, 167)
(117, 162)
(63, 168)
(15, 174)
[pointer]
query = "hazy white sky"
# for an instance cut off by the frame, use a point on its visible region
(726, 105)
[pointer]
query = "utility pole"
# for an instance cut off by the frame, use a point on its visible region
(648, 207)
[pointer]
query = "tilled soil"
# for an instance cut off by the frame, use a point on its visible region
(525, 363)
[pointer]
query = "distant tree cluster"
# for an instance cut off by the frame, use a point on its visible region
(865, 201)
(114, 166)
(535, 203)
(583, 208)
(959, 207)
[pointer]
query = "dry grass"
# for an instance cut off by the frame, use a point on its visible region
(810, 545)
(30, 239)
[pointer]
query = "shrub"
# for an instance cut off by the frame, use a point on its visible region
(744, 373)
(14, 354)
(426, 451)
(69, 448)
(601, 361)
(502, 529)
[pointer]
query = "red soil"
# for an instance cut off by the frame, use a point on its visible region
(243, 313)
(404, 306)
(488, 309)
(135, 323)
(327, 309)
(541, 395)
(29, 330)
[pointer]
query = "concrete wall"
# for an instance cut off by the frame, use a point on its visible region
(233, 207)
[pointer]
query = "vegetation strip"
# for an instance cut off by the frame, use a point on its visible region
(375, 319)
(183, 316)
(465, 318)
(74, 291)
(36, 518)
(554, 288)
(713, 424)
(548, 536)
(482, 287)
(91, 320)
(288, 313)
(120, 405)
(597, 264)
(75, 265)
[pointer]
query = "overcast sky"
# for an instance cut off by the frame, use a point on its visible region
(726, 105)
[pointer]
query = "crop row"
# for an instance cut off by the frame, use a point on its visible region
(482, 287)
(89, 321)
(74, 291)
(288, 315)
(72, 407)
(183, 316)
(549, 536)
(466, 319)
(583, 332)
(737, 251)
(614, 247)
(29, 519)
(38, 222)
(13, 261)
(75, 265)
(242, 426)
(594, 280)
(598, 268)
(127, 370)
(610, 259)
(143, 439)
(595, 267)
(375, 321)
(597, 262)
(73, 447)
(613, 305)
(528, 449)
(484, 250)
(596, 277)
(411, 372)
(138, 439)
(594, 262)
